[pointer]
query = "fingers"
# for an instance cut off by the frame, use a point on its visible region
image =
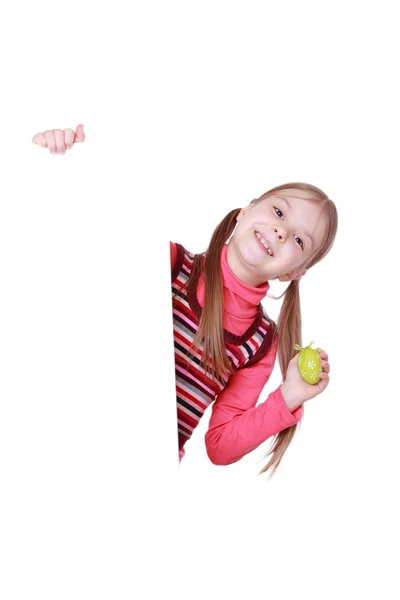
(58, 140)
(50, 141)
(325, 366)
(69, 135)
(39, 140)
(323, 381)
(324, 360)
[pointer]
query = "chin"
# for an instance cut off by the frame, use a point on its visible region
(250, 252)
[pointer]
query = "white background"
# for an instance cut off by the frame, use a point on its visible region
(190, 110)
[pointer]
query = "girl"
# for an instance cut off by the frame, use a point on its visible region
(225, 344)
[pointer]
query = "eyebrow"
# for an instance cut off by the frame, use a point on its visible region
(307, 233)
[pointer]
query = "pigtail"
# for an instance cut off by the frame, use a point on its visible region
(210, 333)
(289, 326)
(289, 331)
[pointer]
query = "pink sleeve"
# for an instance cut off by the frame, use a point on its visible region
(237, 426)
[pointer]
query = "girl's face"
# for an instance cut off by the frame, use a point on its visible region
(276, 237)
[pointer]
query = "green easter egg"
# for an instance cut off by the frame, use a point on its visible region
(309, 363)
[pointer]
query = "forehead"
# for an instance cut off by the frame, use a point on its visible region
(296, 194)
(301, 202)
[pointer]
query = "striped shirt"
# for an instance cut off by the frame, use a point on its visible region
(196, 390)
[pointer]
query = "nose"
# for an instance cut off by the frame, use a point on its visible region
(280, 233)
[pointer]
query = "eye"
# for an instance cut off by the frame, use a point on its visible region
(278, 212)
(299, 242)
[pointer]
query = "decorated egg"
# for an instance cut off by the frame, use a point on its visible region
(309, 363)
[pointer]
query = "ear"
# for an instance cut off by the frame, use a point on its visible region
(294, 275)
(243, 211)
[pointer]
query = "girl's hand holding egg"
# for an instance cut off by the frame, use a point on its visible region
(307, 376)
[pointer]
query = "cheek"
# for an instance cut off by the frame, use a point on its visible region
(293, 256)
(292, 252)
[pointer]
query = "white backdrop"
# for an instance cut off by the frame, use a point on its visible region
(190, 110)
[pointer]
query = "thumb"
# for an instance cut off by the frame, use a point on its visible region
(79, 134)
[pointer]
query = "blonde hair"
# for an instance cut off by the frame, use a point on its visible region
(210, 331)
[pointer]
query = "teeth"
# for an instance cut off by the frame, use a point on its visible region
(264, 243)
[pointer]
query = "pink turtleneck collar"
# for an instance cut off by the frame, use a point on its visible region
(241, 300)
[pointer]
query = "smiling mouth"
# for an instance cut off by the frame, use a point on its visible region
(264, 243)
